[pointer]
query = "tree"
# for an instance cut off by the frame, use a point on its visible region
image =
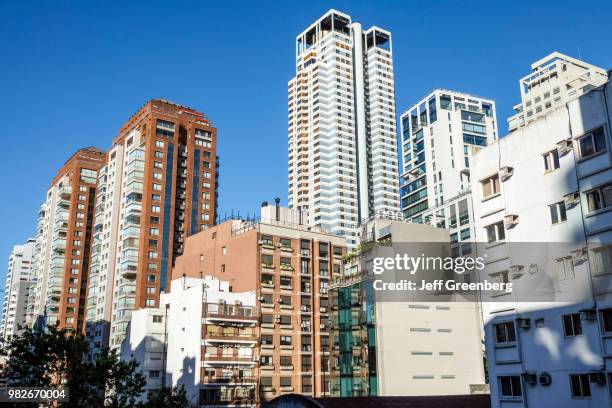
(53, 357)
(167, 397)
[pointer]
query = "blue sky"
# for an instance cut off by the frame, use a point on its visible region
(72, 72)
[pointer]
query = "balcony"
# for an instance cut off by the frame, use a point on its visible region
(215, 312)
(249, 339)
(228, 359)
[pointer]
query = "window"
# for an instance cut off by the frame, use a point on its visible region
(557, 212)
(504, 333)
(154, 231)
(601, 260)
(551, 160)
(490, 186)
(285, 340)
(157, 318)
(572, 325)
(265, 360)
(565, 268)
(151, 290)
(150, 302)
(592, 143)
(154, 374)
(155, 208)
(285, 381)
(606, 320)
(286, 361)
(266, 339)
(599, 198)
(496, 232)
(155, 197)
(581, 388)
(510, 386)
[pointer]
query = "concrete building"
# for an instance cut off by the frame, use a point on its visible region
(546, 187)
(19, 281)
(387, 345)
(61, 260)
(158, 186)
(216, 360)
(342, 142)
(552, 82)
(288, 264)
(439, 134)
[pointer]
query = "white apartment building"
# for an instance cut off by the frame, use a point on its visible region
(203, 337)
(341, 111)
(105, 246)
(554, 80)
(546, 186)
(439, 134)
(394, 343)
(18, 283)
(146, 342)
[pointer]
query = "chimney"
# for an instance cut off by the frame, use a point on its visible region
(277, 202)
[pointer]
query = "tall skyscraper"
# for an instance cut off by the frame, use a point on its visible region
(19, 281)
(157, 187)
(439, 134)
(342, 144)
(63, 243)
(554, 80)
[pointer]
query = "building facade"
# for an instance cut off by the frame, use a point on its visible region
(19, 282)
(383, 345)
(342, 143)
(158, 186)
(553, 81)
(62, 251)
(289, 265)
(545, 187)
(439, 134)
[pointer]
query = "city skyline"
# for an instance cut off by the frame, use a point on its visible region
(58, 103)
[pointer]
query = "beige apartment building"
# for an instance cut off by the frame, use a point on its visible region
(289, 266)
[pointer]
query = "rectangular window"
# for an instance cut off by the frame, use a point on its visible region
(551, 160)
(510, 386)
(572, 325)
(606, 320)
(565, 268)
(592, 143)
(490, 186)
(581, 388)
(599, 198)
(557, 212)
(157, 318)
(285, 340)
(496, 232)
(601, 260)
(504, 333)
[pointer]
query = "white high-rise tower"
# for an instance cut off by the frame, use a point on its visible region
(342, 143)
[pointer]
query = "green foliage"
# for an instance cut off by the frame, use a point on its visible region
(55, 357)
(167, 397)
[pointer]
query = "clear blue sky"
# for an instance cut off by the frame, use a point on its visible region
(72, 72)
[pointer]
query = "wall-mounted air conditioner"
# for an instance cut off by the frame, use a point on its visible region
(505, 173)
(510, 220)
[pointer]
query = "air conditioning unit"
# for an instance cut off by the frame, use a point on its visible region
(515, 271)
(588, 314)
(571, 199)
(505, 173)
(545, 379)
(564, 146)
(579, 255)
(530, 378)
(279, 300)
(523, 323)
(261, 298)
(510, 221)
(597, 377)
(277, 318)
